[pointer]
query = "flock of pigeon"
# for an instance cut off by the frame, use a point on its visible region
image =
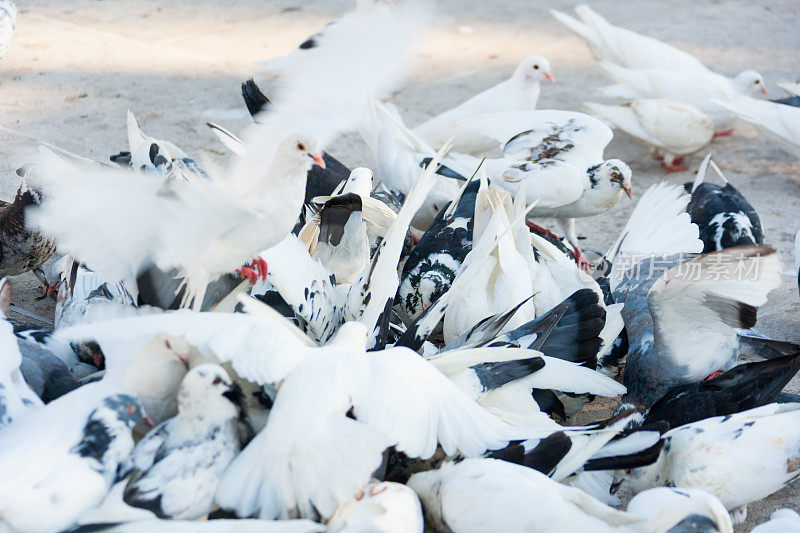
(286, 344)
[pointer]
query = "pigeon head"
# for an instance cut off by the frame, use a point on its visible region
(208, 391)
(616, 173)
(534, 69)
(680, 509)
(124, 408)
(301, 146)
(750, 82)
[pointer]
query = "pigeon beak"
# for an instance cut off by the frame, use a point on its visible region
(627, 189)
(317, 160)
(148, 421)
(549, 77)
(183, 358)
(614, 487)
(764, 90)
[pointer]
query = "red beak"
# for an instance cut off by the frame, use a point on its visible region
(764, 90)
(148, 421)
(549, 77)
(627, 189)
(318, 160)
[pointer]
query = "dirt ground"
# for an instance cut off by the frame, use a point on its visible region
(76, 66)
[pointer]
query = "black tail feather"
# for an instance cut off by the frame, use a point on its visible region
(254, 99)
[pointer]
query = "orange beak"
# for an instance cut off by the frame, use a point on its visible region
(627, 189)
(764, 90)
(318, 160)
(549, 77)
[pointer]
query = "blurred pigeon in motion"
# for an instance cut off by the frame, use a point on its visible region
(207, 229)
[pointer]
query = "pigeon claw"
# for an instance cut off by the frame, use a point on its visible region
(255, 271)
(48, 291)
(713, 375)
(676, 165)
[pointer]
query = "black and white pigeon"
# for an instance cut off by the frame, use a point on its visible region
(150, 155)
(21, 248)
(8, 23)
(743, 387)
(431, 267)
(740, 458)
(724, 216)
(77, 471)
(477, 495)
(680, 312)
(176, 467)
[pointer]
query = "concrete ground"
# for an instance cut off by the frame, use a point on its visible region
(75, 67)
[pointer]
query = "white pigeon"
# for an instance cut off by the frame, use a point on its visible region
(697, 88)
(558, 155)
(518, 93)
(674, 129)
(780, 521)
(622, 46)
(739, 458)
(382, 507)
(491, 495)
(8, 23)
(780, 122)
(75, 472)
(16, 397)
(206, 229)
(311, 457)
(500, 275)
(176, 467)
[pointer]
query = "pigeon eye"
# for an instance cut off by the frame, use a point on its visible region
(168, 345)
(217, 381)
(131, 409)
(301, 146)
(757, 82)
(536, 67)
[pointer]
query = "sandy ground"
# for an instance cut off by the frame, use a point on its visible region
(75, 67)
